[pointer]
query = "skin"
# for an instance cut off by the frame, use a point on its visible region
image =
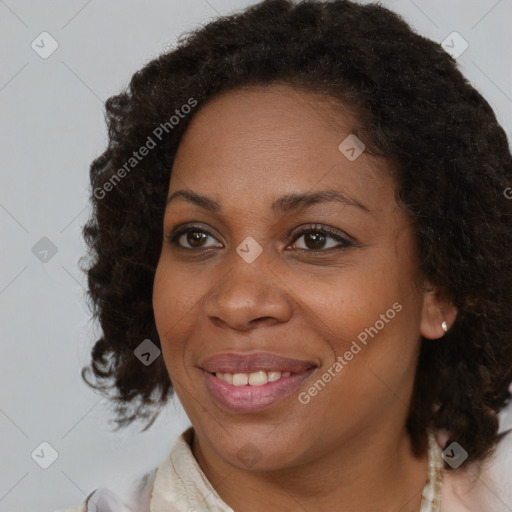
(246, 148)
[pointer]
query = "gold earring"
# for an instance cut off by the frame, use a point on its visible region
(444, 326)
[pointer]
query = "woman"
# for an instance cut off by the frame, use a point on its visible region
(302, 207)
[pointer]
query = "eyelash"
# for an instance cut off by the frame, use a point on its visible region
(174, 236)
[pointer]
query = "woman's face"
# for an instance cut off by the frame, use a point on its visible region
(247, 292)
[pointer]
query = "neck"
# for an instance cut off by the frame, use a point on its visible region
(371, 472)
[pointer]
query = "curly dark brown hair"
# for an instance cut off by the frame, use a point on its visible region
(414, 106)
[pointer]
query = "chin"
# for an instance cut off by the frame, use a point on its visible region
(257, 447)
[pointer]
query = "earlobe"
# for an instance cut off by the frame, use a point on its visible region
(437, 315)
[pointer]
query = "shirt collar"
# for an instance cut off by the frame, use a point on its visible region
(180, 484)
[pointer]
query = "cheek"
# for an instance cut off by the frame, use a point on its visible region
(345, 302)
(370, 373)
(369, 316)
(376, 376)
(175, 306)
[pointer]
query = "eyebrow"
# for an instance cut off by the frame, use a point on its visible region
(283, 205)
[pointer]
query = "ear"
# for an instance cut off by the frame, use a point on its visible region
(434, 312)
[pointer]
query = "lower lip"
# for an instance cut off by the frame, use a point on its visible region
(253, 398)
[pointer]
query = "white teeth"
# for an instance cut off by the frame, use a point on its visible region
(240, 379)
(252, 379)
(272, 376)
(258, 378)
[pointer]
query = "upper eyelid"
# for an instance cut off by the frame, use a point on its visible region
(296, 232)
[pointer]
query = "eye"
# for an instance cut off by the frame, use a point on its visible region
(193, 235)
(315, 238)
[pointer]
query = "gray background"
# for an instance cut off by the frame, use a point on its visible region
(51, 128)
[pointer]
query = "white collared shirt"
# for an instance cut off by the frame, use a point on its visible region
(179, 485)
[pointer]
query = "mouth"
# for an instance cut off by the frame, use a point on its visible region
(250, 383)
(259, 378)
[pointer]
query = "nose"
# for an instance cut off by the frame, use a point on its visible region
(248, 294)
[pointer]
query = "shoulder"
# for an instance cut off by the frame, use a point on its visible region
(136, 499)
(161, 484)
(484, 487)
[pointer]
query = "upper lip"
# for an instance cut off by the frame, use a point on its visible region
(248, 363)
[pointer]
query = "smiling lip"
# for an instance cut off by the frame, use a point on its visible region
(248, 363)
(254, 398)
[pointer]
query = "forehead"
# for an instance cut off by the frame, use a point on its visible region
(268, 141)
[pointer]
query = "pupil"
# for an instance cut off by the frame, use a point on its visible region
(318, 240)
(194, 238)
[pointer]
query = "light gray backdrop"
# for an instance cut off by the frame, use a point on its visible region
(51, 128)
